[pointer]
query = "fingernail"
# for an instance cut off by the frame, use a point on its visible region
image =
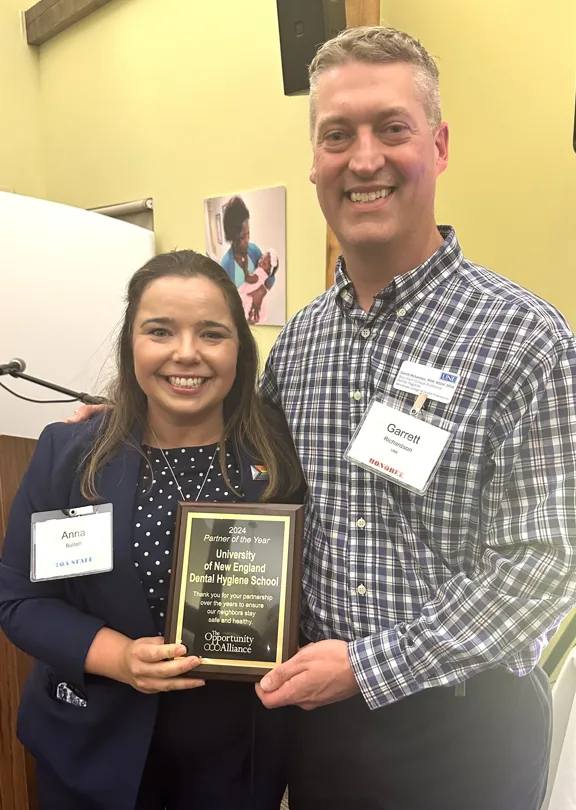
(265, 683)
(181, 650)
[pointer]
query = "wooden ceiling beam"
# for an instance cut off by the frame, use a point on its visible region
(47, 18)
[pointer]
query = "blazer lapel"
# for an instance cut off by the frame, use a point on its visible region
(117, 483)
(254, 476)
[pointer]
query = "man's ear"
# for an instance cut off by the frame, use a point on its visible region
(313, 172)
(442, 145)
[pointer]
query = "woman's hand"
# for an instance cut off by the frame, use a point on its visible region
(85, 412)
(150, 666)
(147, 664)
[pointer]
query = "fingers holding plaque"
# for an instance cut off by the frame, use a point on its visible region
(235, 590)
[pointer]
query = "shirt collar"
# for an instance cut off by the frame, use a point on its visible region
(409, 286)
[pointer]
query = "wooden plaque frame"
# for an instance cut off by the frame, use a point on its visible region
(289, 566)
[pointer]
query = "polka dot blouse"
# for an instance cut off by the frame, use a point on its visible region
(155, 515)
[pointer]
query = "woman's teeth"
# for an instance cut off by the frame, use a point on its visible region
(186, 382)
(370, 196)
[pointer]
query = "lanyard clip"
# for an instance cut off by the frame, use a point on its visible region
(419, 403)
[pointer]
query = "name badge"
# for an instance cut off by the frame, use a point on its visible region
(398, 446)
(71, 542)
(434, 382)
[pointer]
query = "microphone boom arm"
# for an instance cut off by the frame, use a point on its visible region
(87, 399)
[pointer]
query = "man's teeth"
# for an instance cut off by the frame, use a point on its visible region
(186, 382)
(370, 196)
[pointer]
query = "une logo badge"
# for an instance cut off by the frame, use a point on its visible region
(451, 378)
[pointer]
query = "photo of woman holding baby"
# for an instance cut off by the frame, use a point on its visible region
(253, 270)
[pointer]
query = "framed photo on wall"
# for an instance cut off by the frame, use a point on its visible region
(246, 234)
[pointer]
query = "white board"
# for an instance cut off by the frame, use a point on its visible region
(63, 276)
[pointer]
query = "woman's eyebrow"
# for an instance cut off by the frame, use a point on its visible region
(216, 324)
(157, 320)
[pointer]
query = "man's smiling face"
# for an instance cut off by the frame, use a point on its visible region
(376, 159)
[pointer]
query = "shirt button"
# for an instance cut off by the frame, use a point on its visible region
(357, 395)
(365, 333)
(361, 523)
(401, 312)
(361, 590)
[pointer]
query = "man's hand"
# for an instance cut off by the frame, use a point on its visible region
(85, 412)
(318, 674)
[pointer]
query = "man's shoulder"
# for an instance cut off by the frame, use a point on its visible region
(500, 292)
(300, 331)
(310, 315)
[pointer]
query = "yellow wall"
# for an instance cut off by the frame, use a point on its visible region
(21, 164)
(507, 72)
(181, 100)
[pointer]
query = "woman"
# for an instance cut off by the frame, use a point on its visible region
(243, 256)
(110, 723)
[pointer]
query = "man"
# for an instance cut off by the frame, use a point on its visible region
(432, 579)
(427, 600)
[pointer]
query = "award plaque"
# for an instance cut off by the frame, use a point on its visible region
(235, 588)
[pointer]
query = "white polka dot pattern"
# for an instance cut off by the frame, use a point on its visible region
(153, 533)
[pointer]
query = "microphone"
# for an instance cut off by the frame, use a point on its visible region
(16, 368)
(16, 364)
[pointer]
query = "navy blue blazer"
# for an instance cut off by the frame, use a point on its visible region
(56, 621)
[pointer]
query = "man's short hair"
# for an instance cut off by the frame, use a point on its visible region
(379, 45)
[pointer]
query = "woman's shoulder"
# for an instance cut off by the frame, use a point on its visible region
(254, 252)
(274, 415)
(55, 460)
(292, 483)
(61, 445)
(227, 261)
(62, 435)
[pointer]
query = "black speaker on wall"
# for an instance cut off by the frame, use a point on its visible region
(304, 25)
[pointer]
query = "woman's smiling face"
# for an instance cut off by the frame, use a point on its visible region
(185, 348)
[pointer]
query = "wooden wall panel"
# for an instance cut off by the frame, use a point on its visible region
(17, 782)
(362, 12)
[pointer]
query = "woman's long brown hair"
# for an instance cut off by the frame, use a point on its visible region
(247, 422)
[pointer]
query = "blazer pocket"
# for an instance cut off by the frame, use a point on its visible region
(66, 693)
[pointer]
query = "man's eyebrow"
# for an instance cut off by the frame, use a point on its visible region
(389, 112)
(330, 120)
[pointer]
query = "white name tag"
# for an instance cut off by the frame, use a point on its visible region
(435, 383)
(71, 546)
(397, 446)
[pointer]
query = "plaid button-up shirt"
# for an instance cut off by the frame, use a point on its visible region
(476, 572)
